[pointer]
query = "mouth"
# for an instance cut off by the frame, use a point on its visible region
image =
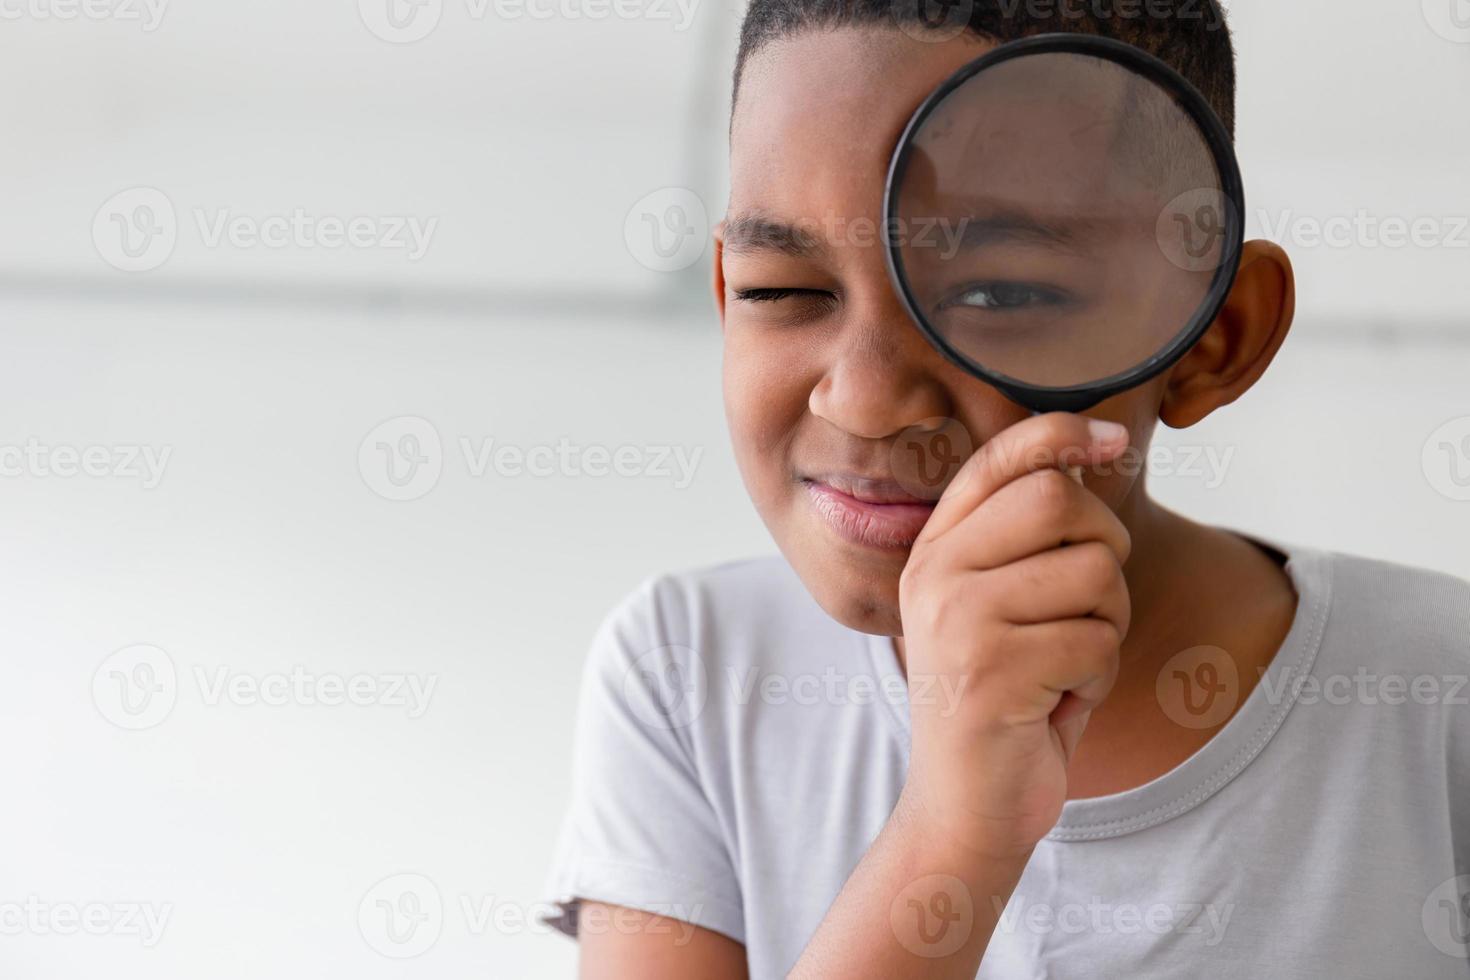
(873, 513)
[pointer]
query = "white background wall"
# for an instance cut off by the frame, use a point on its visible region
(267, 545)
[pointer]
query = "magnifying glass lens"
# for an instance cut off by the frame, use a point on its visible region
(1059, 220)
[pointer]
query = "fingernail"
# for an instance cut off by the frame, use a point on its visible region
(1106, 433)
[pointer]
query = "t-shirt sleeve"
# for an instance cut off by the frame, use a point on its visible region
(641, 832)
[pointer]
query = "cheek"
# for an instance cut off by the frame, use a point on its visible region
(766, 395)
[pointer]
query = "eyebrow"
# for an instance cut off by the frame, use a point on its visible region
(1016, 227)
(755, 232)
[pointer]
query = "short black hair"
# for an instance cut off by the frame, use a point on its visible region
(1189, 35)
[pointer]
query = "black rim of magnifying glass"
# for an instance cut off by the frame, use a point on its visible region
(1079, 398)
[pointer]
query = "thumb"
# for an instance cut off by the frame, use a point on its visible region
(1070, 733)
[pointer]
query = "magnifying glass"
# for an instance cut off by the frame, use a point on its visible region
(1063, 219)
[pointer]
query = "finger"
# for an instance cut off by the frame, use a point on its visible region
(1066, 666)
(1041, 442)
(1068, 727)
(1038, 512)
(1070, 582)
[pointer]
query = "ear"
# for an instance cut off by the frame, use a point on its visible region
(1240, 344)
(719, 271)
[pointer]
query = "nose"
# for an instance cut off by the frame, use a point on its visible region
(879, 379)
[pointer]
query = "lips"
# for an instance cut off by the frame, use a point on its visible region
(873, 513)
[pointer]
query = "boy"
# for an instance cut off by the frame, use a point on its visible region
(868, 760)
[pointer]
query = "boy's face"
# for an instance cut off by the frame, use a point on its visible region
(845, 422)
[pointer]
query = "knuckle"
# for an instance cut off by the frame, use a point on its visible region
(1096, 651)
(923, 567)
(1054, 494)
(986, 667)
(964, 478)
(1123, 626)
(913, 574)
(1125, 539)
(931, 609)
(1124, 615)
(1096, 566)
(992, 454)
(1036, 574)
(1057, 428)
(1101, 639)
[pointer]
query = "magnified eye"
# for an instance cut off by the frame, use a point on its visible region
(1004, 297)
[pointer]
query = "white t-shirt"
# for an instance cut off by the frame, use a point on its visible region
(738, 751)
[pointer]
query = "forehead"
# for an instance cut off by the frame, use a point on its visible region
(819, 113)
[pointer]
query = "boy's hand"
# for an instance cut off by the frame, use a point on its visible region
(1015, 591)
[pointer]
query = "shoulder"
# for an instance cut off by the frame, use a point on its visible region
(1412, 617)
(682, 640)
(732, 604)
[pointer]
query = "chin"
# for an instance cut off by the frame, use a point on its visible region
(860, 594)
(865, 612)
(856, 585)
